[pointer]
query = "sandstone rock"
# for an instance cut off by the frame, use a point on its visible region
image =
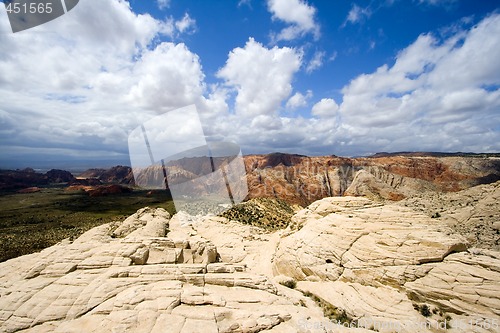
(140, 256)
(225, 268)
(463, 284)
(146, 222)
(372, 307)
(361, 237)
(303, 180)
(362, 263)
(101, 283)
(385, 262)
(471, 213)
(367, 184)
(33, 189)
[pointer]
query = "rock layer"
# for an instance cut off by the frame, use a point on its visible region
(473, 213)
(380, 262)
(302, 179)
(131, 277)
(355, 262)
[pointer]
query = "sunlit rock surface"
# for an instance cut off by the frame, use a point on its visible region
(341, 262)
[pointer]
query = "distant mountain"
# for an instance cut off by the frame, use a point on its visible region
(434, 154)
(301, 179)
(118, 174)
(19, 179)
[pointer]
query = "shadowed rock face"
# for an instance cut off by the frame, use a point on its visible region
(118, 174)
(18, 179)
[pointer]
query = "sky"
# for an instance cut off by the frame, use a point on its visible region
(312, 77)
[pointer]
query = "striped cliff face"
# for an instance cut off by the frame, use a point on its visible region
(302, 179)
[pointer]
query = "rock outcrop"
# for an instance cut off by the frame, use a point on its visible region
(148, 273)
(301, 179)
(390, 267)
(473, 213)
(118, 174)
(99, 190)
(353, 239)
(343, 264)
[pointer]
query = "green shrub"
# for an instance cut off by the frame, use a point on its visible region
(331, 312)
(425, 310)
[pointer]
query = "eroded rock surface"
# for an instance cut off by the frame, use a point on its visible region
(133, 276)
(381, 262)
(473, 213)
(342, 264)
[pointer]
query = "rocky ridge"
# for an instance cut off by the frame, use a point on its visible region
(354, 253)
(473, 213)
(352, 261)
(302, 180)
(129, 277)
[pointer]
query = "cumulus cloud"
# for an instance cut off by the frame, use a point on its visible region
(439, 94)
(298, 100)
(186, 24)
(326, 108)
(70, 92)
(298, 14)
(261, 77)
(174, 27)
(169, 76)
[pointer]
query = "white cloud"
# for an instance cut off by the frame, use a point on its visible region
(262, 77)
(434, 91)
(333, 56)
(316, 62)
(326, 108)
(163, 4)
(186, 24)
(80, 94)
(173, 28)
(245, 3)
(298, 14)
(437, 2)
(298, 100)
(67, 91)
(357, 14)
(168, 77)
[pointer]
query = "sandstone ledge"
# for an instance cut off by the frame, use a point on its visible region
(381, 265)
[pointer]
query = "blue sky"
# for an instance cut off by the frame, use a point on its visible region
(310, 77)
